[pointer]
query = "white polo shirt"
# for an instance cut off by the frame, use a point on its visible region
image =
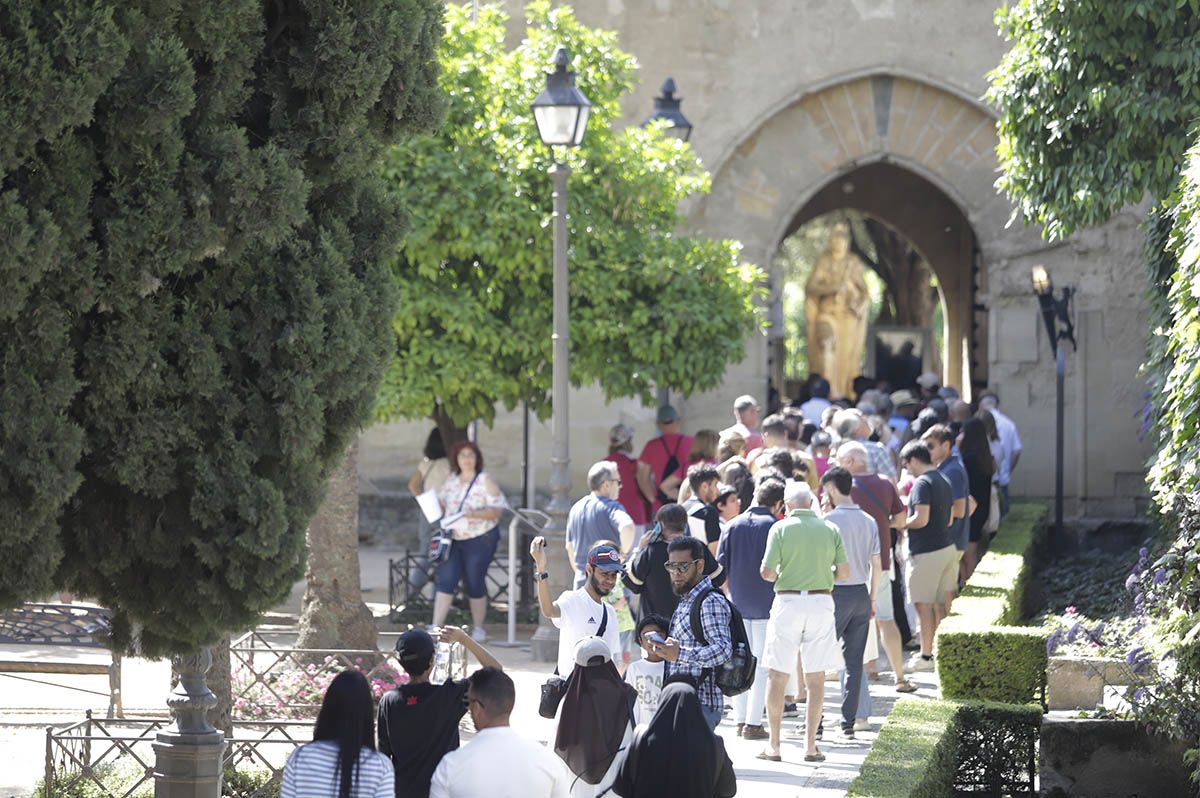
(500, 763)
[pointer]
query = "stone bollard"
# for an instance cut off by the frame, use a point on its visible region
(190, 752)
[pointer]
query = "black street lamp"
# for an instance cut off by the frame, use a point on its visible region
(1056, 313)
(561, 113)
(667, 107)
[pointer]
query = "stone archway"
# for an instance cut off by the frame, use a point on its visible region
(918, 156)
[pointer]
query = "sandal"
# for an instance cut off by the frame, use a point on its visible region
(770, 757)
(905, 686)
(817, 757)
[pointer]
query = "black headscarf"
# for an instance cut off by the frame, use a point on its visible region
(675, 756)
(596, 712)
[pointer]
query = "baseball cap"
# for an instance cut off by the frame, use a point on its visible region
(903, 398)
(414, 647)
(724, 491)
(605, 558)
(744, 401)
(666, 414)
(620, 435)
(592, 650)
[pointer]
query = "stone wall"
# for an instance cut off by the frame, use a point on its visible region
(787, 97)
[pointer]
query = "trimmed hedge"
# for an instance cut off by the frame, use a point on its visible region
(981, 654)
(934, 749)
(915, 755)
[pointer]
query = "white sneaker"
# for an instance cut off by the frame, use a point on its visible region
(479, 634)
(862, 724)
(918, 663)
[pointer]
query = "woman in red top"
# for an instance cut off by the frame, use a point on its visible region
(620, 448)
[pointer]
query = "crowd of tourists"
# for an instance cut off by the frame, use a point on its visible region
(722, 572)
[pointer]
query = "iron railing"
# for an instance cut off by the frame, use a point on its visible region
(407, 601)
(274, 679)
(115, 759)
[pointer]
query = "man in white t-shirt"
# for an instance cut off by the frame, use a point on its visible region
(582, 612)
(498, 762)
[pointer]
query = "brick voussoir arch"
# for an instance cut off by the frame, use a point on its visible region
(833, 127)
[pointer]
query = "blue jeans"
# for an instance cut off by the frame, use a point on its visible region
(864, 698)
(469, 559)
(852, 615)
(713, 716)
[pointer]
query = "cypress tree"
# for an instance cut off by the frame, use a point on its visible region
(196, 304)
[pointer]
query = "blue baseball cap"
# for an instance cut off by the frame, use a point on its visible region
(605, 558)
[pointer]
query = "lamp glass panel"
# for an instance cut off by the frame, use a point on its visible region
(556, 123)
(581, 125)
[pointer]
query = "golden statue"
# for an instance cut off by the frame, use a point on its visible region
(836, 305)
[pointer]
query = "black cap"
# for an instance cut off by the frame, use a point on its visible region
(414, 647)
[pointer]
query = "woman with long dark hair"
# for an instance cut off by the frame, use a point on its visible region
(675, 755)
(341, 761)
(976, 452)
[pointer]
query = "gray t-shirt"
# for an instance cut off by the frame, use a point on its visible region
(955, 472)
(931, 488)
(860, 534)
(594, 518)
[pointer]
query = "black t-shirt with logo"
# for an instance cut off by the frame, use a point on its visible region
(418, 725)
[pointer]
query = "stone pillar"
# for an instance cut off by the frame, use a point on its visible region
(189, 753)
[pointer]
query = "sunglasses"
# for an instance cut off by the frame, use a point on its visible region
(680, 567)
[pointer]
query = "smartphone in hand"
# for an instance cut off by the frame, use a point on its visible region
(655, 637)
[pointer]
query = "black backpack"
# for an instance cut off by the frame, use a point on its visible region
(737, 674)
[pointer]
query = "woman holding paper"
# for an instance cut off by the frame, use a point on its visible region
(472, 504)
(431, 474)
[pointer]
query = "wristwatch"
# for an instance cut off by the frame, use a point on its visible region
(544, 575)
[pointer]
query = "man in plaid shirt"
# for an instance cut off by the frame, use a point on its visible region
(682, 651)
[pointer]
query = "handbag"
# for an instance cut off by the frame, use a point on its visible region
(439, 544)
(992, 525)
(556, 686)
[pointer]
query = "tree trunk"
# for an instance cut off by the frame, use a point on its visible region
(333, 614)
(220, 681)
(451, 432)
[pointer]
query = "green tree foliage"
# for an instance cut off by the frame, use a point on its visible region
(648, 307)
(196, 300)
(1096, 101)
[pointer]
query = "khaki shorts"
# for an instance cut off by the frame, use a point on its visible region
(933, 575)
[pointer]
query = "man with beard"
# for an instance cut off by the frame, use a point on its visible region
(683, 650)
(581, 612)
(645, 572)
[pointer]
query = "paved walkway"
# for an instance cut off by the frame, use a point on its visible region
(26, 709)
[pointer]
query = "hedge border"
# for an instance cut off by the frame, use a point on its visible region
(929, 749)
(981, 653)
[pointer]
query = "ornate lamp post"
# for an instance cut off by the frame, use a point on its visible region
(1056, 313)
(667, 107)
(189, 752)
(561, 113)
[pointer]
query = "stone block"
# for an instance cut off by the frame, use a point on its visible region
(1108, 759)
(1078, 682)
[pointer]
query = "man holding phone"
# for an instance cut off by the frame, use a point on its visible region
(581, 612)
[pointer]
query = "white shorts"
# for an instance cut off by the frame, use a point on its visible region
(802, 624)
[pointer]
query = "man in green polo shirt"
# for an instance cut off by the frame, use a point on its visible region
(804, 554)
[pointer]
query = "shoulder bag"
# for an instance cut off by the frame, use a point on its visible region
(439, 545)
